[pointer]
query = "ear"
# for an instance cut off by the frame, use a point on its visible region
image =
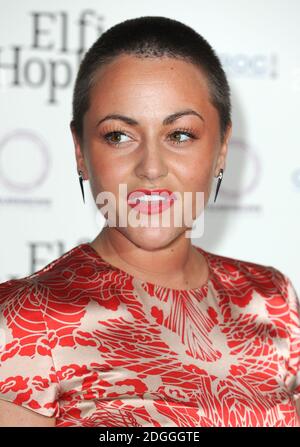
(220, 164)
(79, 154)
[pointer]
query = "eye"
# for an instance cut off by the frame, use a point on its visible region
(115, 134)
(184, 131)
(114, 137)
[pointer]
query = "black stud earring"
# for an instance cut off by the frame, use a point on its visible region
(220, 177)
(81, 184)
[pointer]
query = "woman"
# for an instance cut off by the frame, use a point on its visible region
(139, 327)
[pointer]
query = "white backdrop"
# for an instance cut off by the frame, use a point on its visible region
(257, 213)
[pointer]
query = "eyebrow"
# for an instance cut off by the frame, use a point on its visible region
(168, 120)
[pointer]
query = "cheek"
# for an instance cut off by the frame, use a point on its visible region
(197, 171)
(197, 176)
(106, 174)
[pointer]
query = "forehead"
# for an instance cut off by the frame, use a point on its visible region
(144, 76)
(149, 89)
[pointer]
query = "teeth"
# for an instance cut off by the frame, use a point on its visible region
(148, 198)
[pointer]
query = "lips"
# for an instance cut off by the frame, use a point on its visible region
(151, 207)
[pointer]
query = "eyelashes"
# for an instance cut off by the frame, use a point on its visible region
(186, 131)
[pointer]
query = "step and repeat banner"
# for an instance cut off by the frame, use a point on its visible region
(257, 214)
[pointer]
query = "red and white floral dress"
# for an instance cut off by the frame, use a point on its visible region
(91, 345)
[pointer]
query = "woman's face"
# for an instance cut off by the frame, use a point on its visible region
(146, 152)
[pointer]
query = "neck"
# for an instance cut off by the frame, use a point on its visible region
(177, 262)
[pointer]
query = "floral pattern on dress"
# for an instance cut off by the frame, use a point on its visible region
(91, 345)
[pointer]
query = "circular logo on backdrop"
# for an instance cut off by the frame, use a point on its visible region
(242, 170)
(24, 160)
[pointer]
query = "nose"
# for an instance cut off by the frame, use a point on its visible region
(152, 163)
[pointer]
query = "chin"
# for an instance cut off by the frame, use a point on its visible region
(153, 238)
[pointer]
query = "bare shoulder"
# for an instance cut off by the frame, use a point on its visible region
(12, 415)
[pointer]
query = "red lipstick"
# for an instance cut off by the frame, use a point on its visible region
(151, 206)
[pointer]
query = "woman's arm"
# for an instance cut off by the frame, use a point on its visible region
(12, 415)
